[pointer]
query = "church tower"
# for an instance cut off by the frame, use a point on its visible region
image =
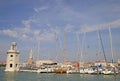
(12, 63)
(30, 61)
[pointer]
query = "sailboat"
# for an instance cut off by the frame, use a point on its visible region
(72, 69)
(62, 68)
(112, 69)
(80, 68)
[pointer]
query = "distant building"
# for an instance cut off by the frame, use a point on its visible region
(2, 64)
(42, 62)
(24, 64)
(12, 63)
(103, 63)
(118, 62)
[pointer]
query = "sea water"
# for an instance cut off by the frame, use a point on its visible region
(26, 76)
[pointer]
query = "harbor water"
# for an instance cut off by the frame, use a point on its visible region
(27, 76)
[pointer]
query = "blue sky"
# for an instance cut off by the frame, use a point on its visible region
(29, 22)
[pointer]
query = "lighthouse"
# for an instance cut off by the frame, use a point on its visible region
(12, 63)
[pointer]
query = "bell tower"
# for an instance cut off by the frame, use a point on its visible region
(12, 63)
(30, 61)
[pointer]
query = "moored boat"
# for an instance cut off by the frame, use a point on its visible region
(45, 70)
(60, 70)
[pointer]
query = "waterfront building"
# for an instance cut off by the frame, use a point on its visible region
(103, 63)
(43, 62)
(118, 62)
(12, 63)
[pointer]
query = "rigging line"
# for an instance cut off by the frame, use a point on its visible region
(102, 46)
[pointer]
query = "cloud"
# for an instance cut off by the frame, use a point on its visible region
(40, 9)
(86, 28)
(69, 28)
(91, 28)
(20, 33)
(27, 33)
(36, 32)
(11, 33)
(47, 35)
(35, 35)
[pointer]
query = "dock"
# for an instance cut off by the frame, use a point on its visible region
(27, 71)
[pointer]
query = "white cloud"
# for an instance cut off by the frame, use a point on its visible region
(69, 28)
(36, 32)
(40, 9)
(10, 33)
(86, 28)
(35, 35)
(115, 23)
(27, 33)
(47, 35)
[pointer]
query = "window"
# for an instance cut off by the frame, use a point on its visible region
(11, 65)
(11, 55)
(16, 65)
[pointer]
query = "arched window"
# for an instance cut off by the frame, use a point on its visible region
(10, 65)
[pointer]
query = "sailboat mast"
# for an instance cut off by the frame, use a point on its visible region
(83, 47)
(56, 46)
(111, 46)
(78, 44)
(64, 51)
(98, 41)
(99, 45)
(38, 51)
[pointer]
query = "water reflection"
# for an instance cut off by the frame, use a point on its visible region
(10, 76)
(110, 77)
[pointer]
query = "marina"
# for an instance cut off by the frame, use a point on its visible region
(60, 40)
(65, 67)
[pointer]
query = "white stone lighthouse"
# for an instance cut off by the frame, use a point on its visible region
(12, 63)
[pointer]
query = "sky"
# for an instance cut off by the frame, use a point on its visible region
(40, 25)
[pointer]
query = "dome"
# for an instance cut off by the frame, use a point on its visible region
(14, 43)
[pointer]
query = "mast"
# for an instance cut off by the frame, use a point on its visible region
(64, 51)
(83, 46)
(78, 44)
(111, 46)
(38, 51)
(99, 45)
(56, 46)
